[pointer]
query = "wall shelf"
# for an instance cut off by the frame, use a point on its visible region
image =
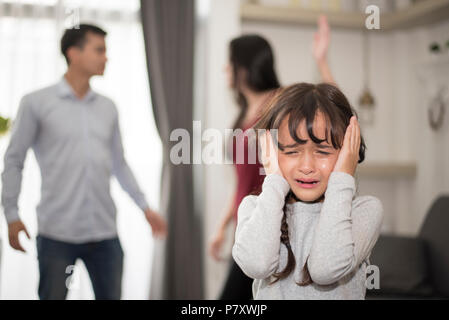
(387, 170)
(420, 13)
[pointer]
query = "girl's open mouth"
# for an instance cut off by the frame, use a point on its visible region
(308, 184)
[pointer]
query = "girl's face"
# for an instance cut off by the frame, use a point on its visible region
(307, 167)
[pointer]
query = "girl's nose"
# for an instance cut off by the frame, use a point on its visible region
(307, 163)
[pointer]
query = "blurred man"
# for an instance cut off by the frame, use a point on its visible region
(74, 133)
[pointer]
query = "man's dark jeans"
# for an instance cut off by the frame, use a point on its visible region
(103, 260)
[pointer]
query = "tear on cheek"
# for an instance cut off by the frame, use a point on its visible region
(326, 166)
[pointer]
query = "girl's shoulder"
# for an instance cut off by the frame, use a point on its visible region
(366, 200)
(249, 201)
(367, 206)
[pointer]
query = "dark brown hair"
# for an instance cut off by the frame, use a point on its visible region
(76, 37)
(253, 54)
(301, 102)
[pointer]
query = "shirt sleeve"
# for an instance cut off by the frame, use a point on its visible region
(346, 232)
(122, 171)
(23, 135)
(258, 232)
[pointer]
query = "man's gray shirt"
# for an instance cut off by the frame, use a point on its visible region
(77, 144)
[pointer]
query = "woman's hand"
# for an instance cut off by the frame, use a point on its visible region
(321, 40)
(349, 154)
(216, 245)
(269, 154)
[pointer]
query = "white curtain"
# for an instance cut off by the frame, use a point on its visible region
(30, 31)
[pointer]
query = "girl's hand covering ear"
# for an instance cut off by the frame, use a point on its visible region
(269, 154)
(349, 154)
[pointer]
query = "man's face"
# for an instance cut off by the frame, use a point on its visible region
(91, 57)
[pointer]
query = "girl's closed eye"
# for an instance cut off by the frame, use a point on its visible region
(324, 150)
(326, 153)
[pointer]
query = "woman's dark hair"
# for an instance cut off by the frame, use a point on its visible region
(301, 102)
(76, 37)
(251, 55)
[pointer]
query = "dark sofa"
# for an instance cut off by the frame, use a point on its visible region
(415, 267)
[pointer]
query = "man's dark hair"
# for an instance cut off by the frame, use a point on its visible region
(76, 37)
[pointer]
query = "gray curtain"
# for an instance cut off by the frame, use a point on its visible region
(168, 27)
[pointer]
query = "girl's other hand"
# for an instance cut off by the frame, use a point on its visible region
(349, 154)
(269, 154)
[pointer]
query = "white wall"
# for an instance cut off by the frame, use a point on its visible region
(431, 148)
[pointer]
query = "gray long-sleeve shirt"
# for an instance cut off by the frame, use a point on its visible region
(78, 147)
(337, 234)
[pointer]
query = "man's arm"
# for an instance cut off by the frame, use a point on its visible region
(128, 182)
(24, 132)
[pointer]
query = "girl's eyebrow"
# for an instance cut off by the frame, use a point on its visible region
(293, 145)
(296, 144)
(323, 146)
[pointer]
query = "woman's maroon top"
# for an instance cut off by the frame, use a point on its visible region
(249, 175)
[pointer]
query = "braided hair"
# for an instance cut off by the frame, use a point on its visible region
(285, 240)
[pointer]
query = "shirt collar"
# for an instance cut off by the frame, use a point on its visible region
(300, 206)
(65, 90)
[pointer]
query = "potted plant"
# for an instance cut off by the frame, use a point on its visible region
(5, 124)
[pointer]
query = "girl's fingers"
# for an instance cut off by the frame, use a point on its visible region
(268, 141)
(356, 138)
(353, 134)
(356, 135)
(263, 146)
(347, 139)
(267, 144)
(270, 145)
(273, 152)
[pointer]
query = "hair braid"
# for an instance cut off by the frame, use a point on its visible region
(291, 261)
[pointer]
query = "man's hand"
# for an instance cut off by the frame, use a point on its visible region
(13, 232)
(157, 223)
(348, 157)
